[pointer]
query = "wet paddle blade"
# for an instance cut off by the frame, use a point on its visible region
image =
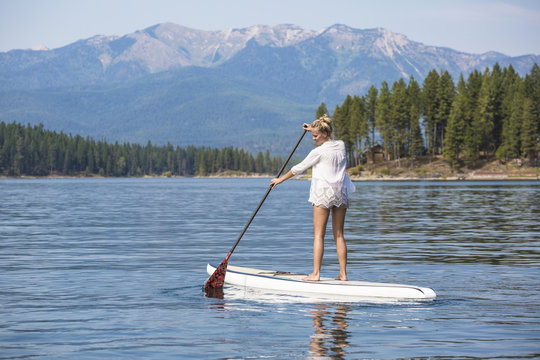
(217, 278)
(214, 293)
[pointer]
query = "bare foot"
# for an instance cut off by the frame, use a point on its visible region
(312, 277)
(341, 278)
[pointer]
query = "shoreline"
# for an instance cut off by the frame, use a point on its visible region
(430, 169)
(356, 178)
(456, 179)
(437, 169)
(473, 176)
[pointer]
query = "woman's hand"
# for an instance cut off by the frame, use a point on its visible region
(307, 127)
(281, 179)
(275, 181)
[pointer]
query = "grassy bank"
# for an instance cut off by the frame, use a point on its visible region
(425, 168)
(435, 168)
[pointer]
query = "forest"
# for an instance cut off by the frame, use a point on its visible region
(494, 114)
(34, 151)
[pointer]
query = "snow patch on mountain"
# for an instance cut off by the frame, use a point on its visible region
(391, 44)
(339, 57)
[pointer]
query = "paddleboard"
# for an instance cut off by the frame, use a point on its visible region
(293, 283)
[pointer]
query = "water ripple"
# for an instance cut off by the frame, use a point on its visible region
(114, 268)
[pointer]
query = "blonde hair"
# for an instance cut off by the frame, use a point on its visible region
(323, 124)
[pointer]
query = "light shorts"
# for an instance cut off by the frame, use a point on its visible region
(327, 195)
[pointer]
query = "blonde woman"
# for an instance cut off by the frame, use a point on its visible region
(329, 192)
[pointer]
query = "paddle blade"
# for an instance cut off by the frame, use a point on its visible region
(214, 293)
(217, 278)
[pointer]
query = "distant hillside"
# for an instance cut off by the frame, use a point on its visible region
(248, 88)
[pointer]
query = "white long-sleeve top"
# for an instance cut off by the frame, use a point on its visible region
(330, 185)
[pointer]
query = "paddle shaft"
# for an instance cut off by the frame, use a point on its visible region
(264, 197)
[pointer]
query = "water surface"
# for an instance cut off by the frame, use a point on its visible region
(114, 268)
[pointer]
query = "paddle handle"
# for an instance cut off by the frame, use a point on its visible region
(265, 196)
(291, 154)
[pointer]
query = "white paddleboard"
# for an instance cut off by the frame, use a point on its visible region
(293, 283)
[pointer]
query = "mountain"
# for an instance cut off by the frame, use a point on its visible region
(248, 87)
(164, 47)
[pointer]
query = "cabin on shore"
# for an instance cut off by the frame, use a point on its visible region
(375, 155)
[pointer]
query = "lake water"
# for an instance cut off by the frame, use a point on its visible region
(114, 269)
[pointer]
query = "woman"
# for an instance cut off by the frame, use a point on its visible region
(329, 193)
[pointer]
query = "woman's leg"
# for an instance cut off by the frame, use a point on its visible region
(338, 223)
(320, 219)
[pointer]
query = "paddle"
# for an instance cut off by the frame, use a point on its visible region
(217, 278)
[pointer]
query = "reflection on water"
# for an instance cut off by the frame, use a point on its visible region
(330, 338)
(447, 222)
(215, 293)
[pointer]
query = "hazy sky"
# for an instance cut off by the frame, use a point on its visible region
(475, 26)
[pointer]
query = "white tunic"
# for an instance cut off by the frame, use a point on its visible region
(330, 185)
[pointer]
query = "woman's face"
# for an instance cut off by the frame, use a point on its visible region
(319, 137)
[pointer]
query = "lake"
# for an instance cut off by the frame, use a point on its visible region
(114, 269)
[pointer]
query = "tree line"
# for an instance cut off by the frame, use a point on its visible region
(34, 151)
(495, 113)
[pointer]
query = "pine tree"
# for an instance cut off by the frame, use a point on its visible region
(483, 121)
(342, 121)
(52, 152)
(532, 91)
(455, 133)
(382, 116)
(399, 118)
(430, 108)
(357, 129)
(415, 141)
(371, 104)
(18, 158)
(259, 163)
(529, 131)
(360, 121)
(474, 84)
(321, 110)
(445, 98)
(3, 160)
(512, 112)
(267, 161)
(497, 95)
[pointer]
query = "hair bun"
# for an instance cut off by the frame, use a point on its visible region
(323, 124)
(326, 119)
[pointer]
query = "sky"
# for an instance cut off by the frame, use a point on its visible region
(511, 27)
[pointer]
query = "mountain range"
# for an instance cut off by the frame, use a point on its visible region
(249, 88)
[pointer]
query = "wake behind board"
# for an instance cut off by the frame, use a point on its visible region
(293, 283)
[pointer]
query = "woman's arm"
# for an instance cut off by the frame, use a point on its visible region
(281, 179)
(308, 162)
